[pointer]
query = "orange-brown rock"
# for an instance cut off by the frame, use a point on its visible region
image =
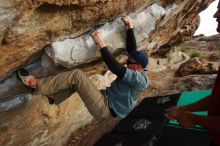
(36, 23)
(178, 25)
(194, 66)
(31, 25)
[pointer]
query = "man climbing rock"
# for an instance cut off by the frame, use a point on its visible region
(118, 99)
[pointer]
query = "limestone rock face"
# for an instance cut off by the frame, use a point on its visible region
(31, 25)
(179, 23)
(172, 61)
(39, 123)
(72, 52)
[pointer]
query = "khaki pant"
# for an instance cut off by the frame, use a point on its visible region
(76, 80)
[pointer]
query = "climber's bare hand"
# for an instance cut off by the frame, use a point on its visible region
(127, 20)
(98, 38)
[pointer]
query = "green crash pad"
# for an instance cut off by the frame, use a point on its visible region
(188, 98)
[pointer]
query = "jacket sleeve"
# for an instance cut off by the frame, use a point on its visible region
(130, 40)
(113, 65)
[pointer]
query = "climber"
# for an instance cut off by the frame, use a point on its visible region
(118, 99)
(217, 16)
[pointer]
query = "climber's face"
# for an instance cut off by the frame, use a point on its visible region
(132, 64)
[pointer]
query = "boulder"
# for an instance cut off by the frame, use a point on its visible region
(194, 66)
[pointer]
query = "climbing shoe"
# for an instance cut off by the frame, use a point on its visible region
(26, 78)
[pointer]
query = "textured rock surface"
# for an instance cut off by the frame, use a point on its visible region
(39, 123)
(72, 52)
(34, 24)
(194, 66)
(75, 56)
(179, 23)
